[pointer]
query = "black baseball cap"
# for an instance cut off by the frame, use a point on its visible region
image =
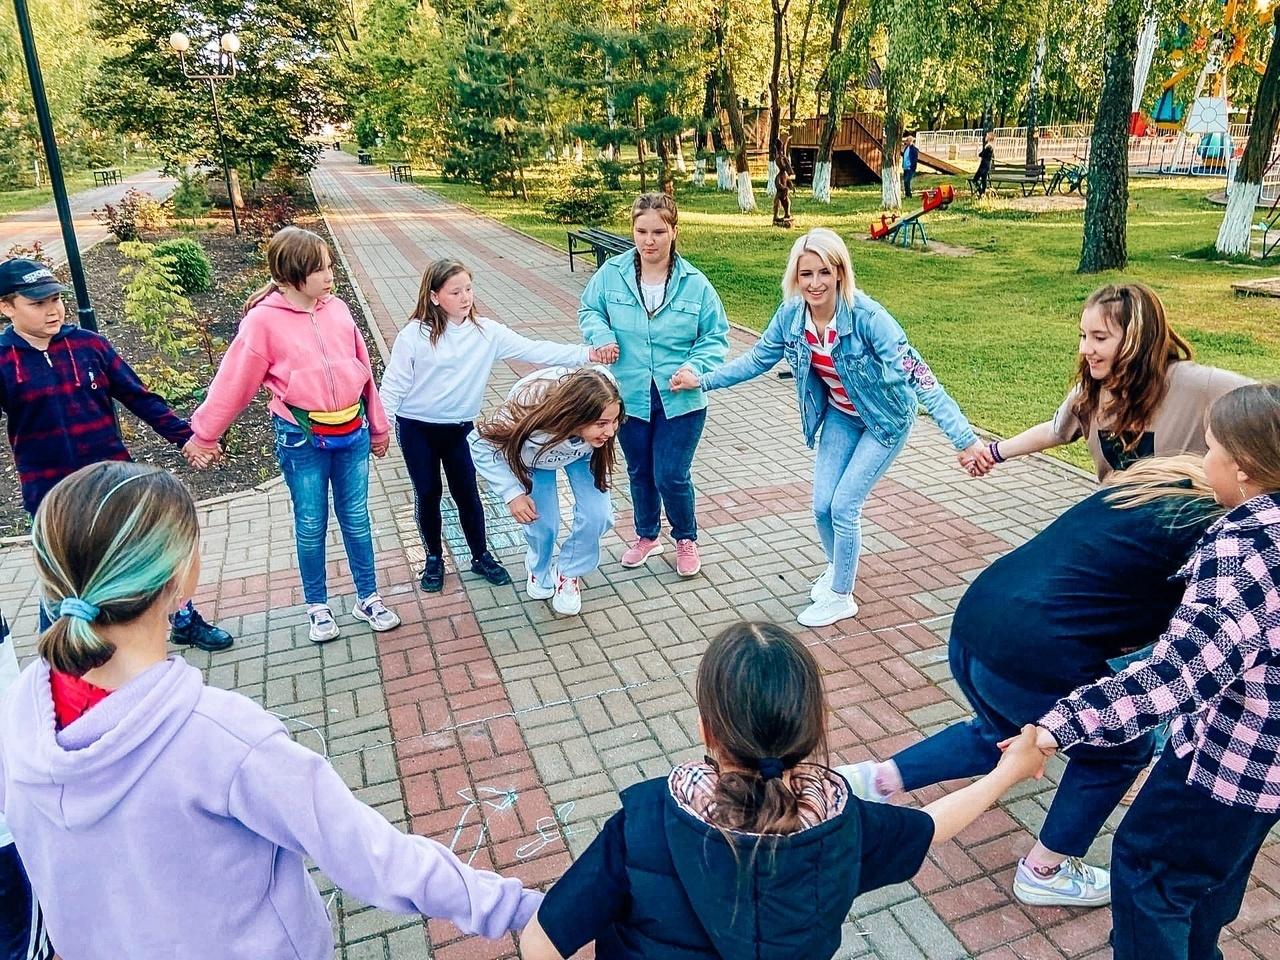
(32, 280)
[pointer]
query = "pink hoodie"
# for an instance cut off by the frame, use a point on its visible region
(316, 361)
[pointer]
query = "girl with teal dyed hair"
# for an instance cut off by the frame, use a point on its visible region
(123, 777)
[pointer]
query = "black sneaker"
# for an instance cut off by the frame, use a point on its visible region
(490, 569)
(433, 575)
(199, 633)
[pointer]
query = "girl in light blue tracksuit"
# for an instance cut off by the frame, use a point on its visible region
(859, 381)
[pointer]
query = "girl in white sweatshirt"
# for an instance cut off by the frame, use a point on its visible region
(555, 420)
(432, 391)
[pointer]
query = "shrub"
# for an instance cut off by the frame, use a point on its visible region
(34, 252)
(268, 214)
(191, 198)
(612, 172)
(136, 213)
(579, 197)
(154, 303)
(190, 263)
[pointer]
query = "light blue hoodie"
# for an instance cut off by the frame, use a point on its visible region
(172, 820)
(883, 374)
(689, 329)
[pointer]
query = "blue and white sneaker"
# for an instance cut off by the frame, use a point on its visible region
(375, 613)
(1076, 884)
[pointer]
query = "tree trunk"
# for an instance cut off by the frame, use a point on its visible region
(1237, 223)
(1106, 210)
(665, 172)
(746, 196)
(724, 178)
(891, 155)
(678, 144)
(837, 74)
(700, 172)
(775, 105)
(1032, 105)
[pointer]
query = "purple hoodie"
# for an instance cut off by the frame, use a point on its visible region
(171, 820)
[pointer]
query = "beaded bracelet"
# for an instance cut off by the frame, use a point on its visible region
(993, 448)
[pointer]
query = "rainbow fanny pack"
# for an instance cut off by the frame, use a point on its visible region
(335, 429)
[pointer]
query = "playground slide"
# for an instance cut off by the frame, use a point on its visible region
(872, 155)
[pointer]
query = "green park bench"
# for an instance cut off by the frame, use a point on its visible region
(593, 240)
(401, 171)
(1025, 176)
(106, 176)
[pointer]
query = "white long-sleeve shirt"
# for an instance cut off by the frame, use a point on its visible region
(493, 466)
(444, 382)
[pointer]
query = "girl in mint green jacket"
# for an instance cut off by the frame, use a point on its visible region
(662, 316)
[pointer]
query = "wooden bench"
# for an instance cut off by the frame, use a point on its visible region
(363, 158)
(106, 176)
(602, 243)
(1025, 176)
(401, 171)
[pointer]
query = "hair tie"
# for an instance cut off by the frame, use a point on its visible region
(771, 768)
(80, 609)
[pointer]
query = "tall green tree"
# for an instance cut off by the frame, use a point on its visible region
(499, 108)
(287, 87)
(1237, 222)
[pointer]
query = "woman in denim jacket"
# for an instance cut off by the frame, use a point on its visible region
(859, 380)
(656, 314)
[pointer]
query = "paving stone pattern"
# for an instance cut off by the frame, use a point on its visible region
(493, 726)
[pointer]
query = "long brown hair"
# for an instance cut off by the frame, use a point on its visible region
(560, 410)
(1139, 375)
(431, 316)
(293, 254)
(1246, 422)
(760, 697)
(112, 536)
(665, 207)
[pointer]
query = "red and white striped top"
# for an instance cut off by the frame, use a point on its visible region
(824, 367)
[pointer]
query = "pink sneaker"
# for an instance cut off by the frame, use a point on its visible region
(640, 551)
(688, 563)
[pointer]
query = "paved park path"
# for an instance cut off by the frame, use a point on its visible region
(41, 223)
(490, 725)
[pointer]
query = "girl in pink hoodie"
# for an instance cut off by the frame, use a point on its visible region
(300, 342)
(126, 780)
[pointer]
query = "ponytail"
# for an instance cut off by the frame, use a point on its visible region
(108, 541)
(260, 294)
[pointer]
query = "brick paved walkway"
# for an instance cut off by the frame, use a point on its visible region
(41, 223)
(489, 724)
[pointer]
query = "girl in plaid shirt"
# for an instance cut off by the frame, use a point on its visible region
(1182, 856)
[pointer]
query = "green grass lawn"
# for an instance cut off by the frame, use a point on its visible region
(999, 326)
(15, 201)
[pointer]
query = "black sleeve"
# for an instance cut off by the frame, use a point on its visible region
(894, 843)
(592, 894)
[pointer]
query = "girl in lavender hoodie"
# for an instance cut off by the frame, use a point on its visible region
(125, 779)
(299, 341)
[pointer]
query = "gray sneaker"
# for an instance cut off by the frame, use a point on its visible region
(323, 627)
(1076, 884)
(375, 613)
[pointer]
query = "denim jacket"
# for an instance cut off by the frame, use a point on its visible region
(883, 374)
(689, 329)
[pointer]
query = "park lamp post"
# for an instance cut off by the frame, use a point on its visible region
(228, 47)
(84, 308)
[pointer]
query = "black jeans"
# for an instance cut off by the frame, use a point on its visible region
(659, 456)
(1095, 780)
(426, 448)
(906, 181)
(1179, 866)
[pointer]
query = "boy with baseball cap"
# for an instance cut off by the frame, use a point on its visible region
(57, 387)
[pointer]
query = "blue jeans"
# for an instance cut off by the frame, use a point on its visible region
(592, 519)
(849, 462)
(1095, 780)
(659, 456)
(310, 474)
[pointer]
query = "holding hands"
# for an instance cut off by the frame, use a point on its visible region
(1026, 753)
(977, 459)
(200, 456)
(685, 379)
(606, 354)
(380, 446)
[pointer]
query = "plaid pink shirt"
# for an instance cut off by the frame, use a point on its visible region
(1215, 671)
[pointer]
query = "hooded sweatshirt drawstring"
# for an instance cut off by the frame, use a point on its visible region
(75, 371)
(17, 363)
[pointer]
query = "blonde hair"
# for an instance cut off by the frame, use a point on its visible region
(293, 254)
(832, 251)
(1162, 478)
(1246, 422)
(110, 539)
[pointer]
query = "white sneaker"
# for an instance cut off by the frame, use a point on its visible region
(375, 613)
(568, 599)
(823, 582)
(827, 609)
(537, 591)
(1076, 884)
(323, 627)
(862, 781)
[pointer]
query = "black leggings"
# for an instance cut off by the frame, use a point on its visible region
(427, 447)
